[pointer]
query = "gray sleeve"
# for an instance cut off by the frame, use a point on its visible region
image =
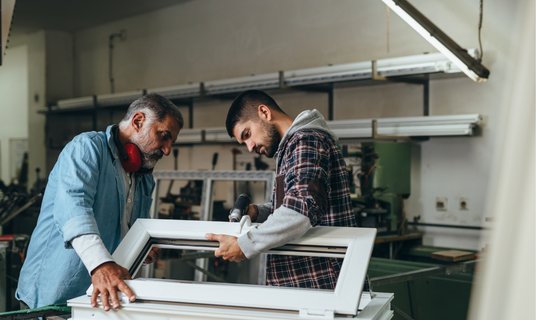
(281, 227)
(264, 210)
(91, 251)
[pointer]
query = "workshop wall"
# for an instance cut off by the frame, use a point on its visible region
(13, 104)
(209, 40)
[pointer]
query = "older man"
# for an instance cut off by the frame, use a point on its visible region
(91, 200)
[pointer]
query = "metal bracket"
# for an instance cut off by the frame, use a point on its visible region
(317, 314)
(375, 75)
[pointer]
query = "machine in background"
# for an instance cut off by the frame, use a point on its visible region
(384, 180)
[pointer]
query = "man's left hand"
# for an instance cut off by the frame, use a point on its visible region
(229, 248)
(154, 254)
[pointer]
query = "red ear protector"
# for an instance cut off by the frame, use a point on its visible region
(129, 154)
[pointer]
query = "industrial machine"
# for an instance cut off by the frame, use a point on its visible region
(384, 181)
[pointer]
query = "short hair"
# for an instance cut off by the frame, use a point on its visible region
(155, 108)
(245, 107)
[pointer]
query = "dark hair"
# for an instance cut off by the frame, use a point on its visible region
(155, 108)
(245, 106)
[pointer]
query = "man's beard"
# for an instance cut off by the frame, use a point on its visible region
(143, 141)
(273, 138)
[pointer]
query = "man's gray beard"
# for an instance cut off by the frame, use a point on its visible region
(142, 140)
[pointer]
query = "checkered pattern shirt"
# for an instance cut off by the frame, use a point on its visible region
(312, 179)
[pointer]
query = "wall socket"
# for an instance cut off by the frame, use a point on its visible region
(464, 204)
(441, 204)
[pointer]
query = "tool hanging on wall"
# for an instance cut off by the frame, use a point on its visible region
(214, 160)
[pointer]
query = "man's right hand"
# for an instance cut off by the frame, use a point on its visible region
(253, 212)
(107, 279)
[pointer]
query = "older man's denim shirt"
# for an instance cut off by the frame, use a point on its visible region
(84, 195)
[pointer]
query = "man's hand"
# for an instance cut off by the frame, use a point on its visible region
(253, 212)
(154, 254)
(107, 279)
(229, 248)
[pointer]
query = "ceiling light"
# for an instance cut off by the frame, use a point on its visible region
(431, 33)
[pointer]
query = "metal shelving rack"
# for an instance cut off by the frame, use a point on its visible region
(419, 70)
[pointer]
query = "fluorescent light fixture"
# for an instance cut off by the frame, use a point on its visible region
(117, 99)
(84, 102)
(451, 125)
(259, 82)
(403, 66)
(178, 92)
(431, 33)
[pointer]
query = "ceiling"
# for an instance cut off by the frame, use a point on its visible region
(74, 15)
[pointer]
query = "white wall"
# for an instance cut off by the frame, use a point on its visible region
(13, 103)
(208, 39)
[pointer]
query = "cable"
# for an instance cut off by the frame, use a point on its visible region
(479, 31)
(120, 35)
(367, 176)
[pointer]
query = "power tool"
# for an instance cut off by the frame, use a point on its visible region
(240, 208)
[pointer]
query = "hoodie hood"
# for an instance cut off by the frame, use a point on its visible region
(308, 119)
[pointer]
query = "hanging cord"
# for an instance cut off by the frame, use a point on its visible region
(121, 36)
(479, 30)
(388, 28)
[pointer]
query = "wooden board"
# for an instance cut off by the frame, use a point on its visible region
(453, 255)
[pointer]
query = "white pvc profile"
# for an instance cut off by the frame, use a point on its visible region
(403, 66)
(218, 134)
(451, 125)
(178, 92)
(116, 99)
(187, 136)
(430, 126)
(259, 82)
(357, 243)
(84, 102)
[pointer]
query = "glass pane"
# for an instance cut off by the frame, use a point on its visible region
(180, 264)
(179, 199)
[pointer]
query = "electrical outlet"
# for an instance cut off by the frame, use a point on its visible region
(441, 204)
(464, 204)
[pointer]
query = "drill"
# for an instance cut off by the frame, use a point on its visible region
(240, 208)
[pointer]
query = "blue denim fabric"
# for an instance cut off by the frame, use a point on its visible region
(84, 195)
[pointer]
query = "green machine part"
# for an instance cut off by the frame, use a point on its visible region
(389, 164)
(386, 176)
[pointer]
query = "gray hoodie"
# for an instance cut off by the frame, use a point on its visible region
(284, 224)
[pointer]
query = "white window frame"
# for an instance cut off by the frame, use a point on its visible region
(354, 244)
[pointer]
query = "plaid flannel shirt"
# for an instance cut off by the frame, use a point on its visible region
(312, 179)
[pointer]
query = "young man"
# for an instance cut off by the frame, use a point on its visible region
(311, 189)
(90, 203)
